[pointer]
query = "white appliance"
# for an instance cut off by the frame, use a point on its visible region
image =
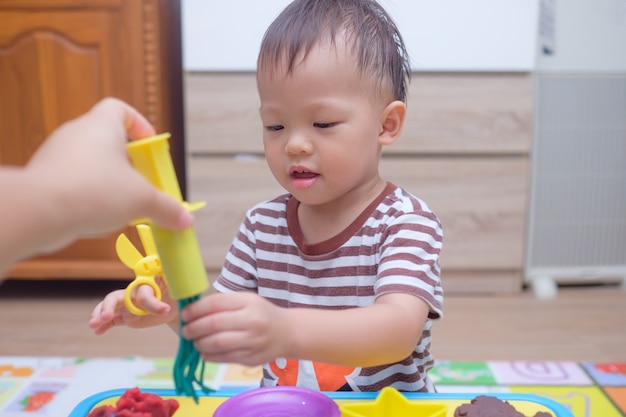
(577, 213)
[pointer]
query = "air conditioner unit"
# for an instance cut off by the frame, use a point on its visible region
(577, 213)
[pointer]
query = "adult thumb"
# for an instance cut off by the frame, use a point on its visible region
(167, 212)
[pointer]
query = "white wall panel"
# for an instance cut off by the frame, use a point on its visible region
(441, 35)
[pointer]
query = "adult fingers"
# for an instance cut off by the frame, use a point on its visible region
(163, 209)
(135, 124)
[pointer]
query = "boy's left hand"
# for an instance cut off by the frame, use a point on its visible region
(112, 311)
(239, 328)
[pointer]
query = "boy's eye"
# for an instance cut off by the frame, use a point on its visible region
(324, 125)
(274, 128)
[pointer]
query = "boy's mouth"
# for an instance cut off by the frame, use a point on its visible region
(303, 175)
(302, 178)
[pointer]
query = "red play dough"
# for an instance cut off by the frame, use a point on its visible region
(134, 403)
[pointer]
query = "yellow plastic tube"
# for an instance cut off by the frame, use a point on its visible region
(181, 260)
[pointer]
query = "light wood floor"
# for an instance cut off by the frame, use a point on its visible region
(49, 318)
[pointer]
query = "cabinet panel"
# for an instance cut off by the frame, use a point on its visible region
(57, 59)
(481, 203)
(467, 114)
(49, 74)
(455, 113)
(60, 4)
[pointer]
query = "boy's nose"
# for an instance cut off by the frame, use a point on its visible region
(297, 144)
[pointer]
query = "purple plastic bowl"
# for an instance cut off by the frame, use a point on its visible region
(278, 402)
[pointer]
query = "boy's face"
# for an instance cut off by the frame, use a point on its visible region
(321, 127)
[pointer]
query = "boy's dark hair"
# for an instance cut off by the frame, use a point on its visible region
(375, 39)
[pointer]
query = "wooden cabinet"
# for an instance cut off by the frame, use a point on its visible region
(57, 59)
(464, 150)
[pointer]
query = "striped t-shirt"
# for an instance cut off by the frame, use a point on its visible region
(393, 246)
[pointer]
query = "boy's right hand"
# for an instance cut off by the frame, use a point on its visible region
(111, 311)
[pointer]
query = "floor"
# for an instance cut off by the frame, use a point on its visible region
(585, 323)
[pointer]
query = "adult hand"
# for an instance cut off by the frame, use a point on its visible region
(80, 183)
(92, 184)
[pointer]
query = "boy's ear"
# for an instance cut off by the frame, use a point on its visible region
(392, 122)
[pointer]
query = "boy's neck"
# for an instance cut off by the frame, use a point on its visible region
(322, 222)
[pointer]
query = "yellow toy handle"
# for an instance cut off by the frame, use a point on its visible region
(128, 300)
(181, 260)
(151, 156)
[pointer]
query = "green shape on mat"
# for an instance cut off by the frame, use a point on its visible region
(461, 373)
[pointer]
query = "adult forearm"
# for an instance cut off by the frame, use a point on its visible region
(33, 218)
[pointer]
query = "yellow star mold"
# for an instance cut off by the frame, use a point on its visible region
(391, 403)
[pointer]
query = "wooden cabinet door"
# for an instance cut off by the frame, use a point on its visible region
(57, 59)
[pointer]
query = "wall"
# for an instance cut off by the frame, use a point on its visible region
(582, 36)
(441, 35)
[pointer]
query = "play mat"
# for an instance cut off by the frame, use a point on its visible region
(53, 387)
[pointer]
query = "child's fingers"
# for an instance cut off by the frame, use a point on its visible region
(215, 303)
(96, 316)
(102, 328)
(104, 312)
(145, 299)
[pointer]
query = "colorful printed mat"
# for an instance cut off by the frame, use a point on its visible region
(52, 387)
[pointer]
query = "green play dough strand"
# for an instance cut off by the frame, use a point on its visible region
(187, 376)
